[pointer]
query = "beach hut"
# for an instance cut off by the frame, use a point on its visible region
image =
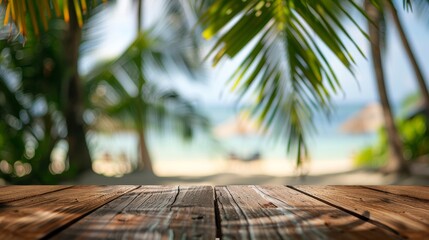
(369, 119)
(240, 125)
(238, 134)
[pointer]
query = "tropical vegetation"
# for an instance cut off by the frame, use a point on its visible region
(148, 105)
(377, 21)
(41, 79)
(287, 72)
(415, 136)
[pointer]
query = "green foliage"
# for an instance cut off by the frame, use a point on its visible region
(140, 102)
(131, 85)
(30, 111)
(34, 16)
(415, 137)
(33, 96)
(373, 156)
(286, 70)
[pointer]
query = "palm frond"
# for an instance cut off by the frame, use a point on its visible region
(287, 66)
(132, 95)
(17, 12)
(422, 8)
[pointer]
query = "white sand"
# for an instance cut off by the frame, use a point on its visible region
(273, 167)
(261, 173)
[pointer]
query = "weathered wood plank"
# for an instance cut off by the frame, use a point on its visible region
(39, 216)
(12, 193)
(419, 192)
(278, 212)
(406, 216)
(151, 212)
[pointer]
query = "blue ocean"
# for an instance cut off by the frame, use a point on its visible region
(329, 143)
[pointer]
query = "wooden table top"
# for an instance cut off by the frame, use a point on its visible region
(205, 212)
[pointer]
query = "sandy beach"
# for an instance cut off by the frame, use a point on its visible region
(273, 167)
(261, 173)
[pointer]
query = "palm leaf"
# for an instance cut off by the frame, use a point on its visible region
(421, 7)
(40, 12)
(287, 66)
(132, 95)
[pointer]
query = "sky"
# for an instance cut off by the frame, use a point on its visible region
(119, 29)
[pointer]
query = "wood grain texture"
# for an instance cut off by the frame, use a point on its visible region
(405, 216)
(278, 212)
(38, 216)
(243, 212)
(418, 192)
(151, 212)
(12, 193)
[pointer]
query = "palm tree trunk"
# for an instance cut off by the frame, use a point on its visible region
(139, 15)
(396, 162)
(145, 163)
(79, 157)
(416, 67)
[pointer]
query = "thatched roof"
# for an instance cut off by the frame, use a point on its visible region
(368, 119)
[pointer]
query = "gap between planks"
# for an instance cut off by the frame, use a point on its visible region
(15, 193)
(420, 193)
(40, 215)
(403, 215)
(151, 212)
(217, 215)
(57, 231)
(362, 217)
(276, 212)
(216, 208)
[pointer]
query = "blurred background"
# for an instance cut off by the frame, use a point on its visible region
(214, 92)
